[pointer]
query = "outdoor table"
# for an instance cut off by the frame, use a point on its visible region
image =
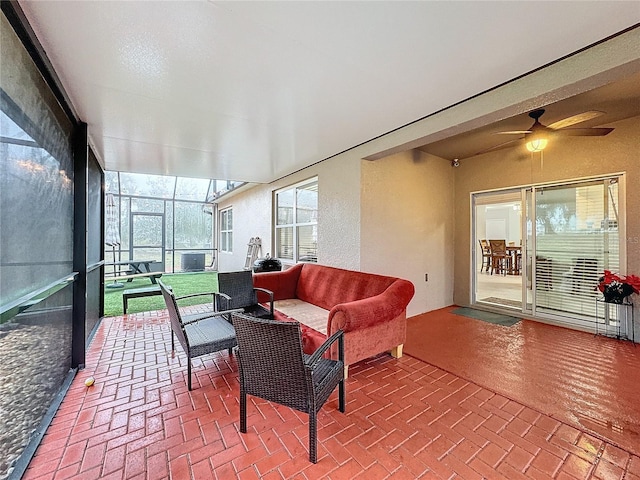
(136, 267)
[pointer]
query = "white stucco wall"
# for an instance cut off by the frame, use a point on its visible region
(251, 218)
(408, 225)
(392, 217)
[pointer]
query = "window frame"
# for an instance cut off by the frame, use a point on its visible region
(226, 214)
(294, 225)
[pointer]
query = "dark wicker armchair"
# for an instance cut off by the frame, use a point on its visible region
(272, 366)
(237, 291)
(199, 334)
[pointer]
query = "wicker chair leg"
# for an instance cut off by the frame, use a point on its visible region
(243, 411)
(188, 372)
(173, 346)
(313, 441)
(341, 396)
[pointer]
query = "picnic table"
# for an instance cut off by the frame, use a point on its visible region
(136, 268)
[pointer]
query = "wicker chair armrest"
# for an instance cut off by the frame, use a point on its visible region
(339, 336)
(268, 292)
(224, 300)
(213, 314)
(213, 294)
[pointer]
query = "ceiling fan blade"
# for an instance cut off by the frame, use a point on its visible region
(583, 132)
(514, 132)
(572, 120)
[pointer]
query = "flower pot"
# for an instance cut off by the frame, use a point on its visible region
(613, 298)
(617, 292)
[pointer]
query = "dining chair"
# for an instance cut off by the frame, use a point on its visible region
(500, 258)
(272, 366)
(486, 255)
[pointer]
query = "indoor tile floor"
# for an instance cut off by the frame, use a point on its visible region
(405, 419)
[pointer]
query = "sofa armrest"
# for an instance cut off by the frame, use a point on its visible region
(373, 310)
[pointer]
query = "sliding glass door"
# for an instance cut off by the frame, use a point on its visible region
(498, 219)
(576, 235)
(571, 233)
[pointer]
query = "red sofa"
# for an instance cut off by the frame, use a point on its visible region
(370, 309)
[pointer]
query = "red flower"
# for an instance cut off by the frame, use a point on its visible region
(634, 281)
(610, 278)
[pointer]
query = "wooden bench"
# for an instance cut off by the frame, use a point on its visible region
(140, 292)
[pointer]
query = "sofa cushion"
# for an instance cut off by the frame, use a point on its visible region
(311, 338)
(305, 313)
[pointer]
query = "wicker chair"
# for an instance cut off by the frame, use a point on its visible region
(199, 334)
(272, 366)
(237, 291)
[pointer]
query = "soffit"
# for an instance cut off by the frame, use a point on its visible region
(616, 101)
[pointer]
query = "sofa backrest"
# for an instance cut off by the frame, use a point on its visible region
(283, 284)
(328, 286)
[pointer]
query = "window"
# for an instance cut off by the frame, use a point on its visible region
(296, 223)
(226, 230)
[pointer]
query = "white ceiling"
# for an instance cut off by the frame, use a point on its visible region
(252, 91)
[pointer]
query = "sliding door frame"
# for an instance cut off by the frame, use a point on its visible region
(528, 236)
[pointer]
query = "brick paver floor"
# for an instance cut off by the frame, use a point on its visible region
(405, 419)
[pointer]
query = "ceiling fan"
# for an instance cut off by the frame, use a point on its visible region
(537, 136)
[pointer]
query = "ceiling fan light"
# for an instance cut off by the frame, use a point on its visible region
(536, 144)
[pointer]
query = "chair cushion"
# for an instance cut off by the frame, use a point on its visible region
(210, 335)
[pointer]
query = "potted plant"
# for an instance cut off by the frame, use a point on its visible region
(616, 288)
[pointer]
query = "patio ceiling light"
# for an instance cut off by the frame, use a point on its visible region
(537, 144)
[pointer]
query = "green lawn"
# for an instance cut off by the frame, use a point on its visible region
(182, 284)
